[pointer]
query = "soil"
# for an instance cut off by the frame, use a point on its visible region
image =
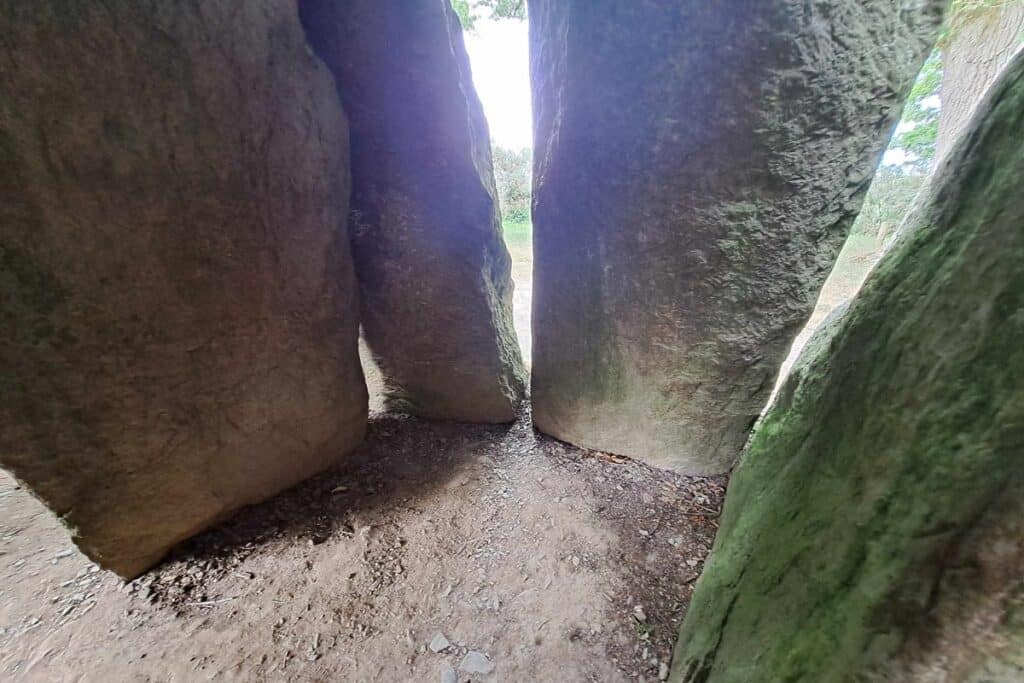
(550, 562)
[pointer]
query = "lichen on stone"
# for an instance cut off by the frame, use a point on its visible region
(897, 439)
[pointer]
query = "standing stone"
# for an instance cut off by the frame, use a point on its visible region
(178, 317)
(875, 527)
(697, 167)
(434, 273)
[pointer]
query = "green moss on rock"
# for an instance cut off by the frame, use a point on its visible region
(901, 433)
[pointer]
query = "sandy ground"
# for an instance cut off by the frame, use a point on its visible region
(534, 560)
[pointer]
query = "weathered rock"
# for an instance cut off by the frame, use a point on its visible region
(434, 273)
(179, 315)
(697, 167)
(476, 663)
(877, 518)
(438, 643)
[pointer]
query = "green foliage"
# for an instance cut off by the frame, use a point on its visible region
(512, 173)
(887, 202)
(504, 9)
(496, 9)
(465, 13)
(920, 141)
(927, 84)
(922, 111)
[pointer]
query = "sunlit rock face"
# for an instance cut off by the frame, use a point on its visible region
(697, 167)
(433, 271)
(874, 530)
(179, 315)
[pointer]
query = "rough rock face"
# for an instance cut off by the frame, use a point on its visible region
(697, 167)
(434, 273)
(875, 527)
(179, 315)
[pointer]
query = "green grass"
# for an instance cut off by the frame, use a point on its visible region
(519, 240)
(518, 235)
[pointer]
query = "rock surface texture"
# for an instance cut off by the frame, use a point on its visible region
(434, 273)
(697, 167)
(874, 529)
(179, 315)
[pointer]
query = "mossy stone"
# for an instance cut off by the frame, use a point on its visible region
(879, 503)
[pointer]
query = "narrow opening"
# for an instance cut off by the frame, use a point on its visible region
(498, 46)
(903, 171)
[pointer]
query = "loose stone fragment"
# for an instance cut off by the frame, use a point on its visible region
(476, 663)
(439, 643)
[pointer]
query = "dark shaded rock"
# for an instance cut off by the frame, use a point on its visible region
(697, 167)
(178, 321)
(434, 273)
(878, 514)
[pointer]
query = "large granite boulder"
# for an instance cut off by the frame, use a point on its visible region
(697, 167)
(874, 529)
(434, 273)
(178, 321)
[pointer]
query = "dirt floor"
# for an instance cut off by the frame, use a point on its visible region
(437, 552)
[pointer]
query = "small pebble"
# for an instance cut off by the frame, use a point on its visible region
(438, 643)
(476, 663)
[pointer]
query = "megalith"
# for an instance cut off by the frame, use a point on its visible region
(179, 312)
(696, 169)
(874, 529)
(433, 271)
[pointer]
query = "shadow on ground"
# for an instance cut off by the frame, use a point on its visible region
(544, 561)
